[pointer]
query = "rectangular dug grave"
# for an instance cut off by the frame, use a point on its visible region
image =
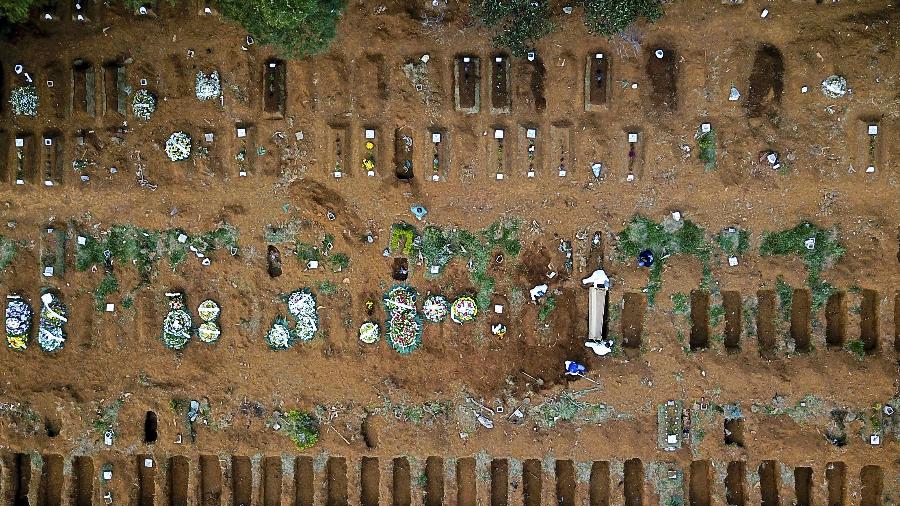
(54, 89)
(84, 88)
(529, 152)
(53, 250)
(871, 151)
(274, 87)
(596, 81)
(498, 81)
(52, 150)
(561, 156)
(440, 155)
(634, 140)
(404, 153)
(467, 83)
(662, 70)
(6, 144)
(114, 84)
(339, 160)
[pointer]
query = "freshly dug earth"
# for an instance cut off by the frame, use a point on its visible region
(362, 83)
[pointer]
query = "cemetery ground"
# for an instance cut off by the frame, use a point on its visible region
(782, 369)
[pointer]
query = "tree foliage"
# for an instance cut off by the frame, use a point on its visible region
(609, 17)
(15, 11)
(294, 27)
(517, 24)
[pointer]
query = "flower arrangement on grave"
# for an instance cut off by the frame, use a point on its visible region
(207, 87)
(51, 334)
(499, 156)
(279, 335)
(241, 159)
(18, 322)
(436, 160)
(403, 329)
(209, 330)
(369, 332)
(530, 155)
(24, 101)
(435, 308)
(178, 146)
(368, 162)
(464, 309)
(337, 155)
(302, 307)
(143, 105)
(177, 324)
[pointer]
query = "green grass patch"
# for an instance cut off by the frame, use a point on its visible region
(306, 252)
(611, 17)
(547, 309)
(327, 288)
(339, 262)
(857, 347)
(733, 241)
(517, 24)
(8, 251)
(403, 234)
(785, 298)
(108, 286)
(301, 427)
(716, 313)
(683, 237)
(681, 304)
(706, 145)
(826, 251)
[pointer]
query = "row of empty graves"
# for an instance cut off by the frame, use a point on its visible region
(87, 11)
(427, 155)
(768, 321)
(208, 480)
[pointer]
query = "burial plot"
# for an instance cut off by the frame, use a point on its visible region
(210, 480)
(871, 151)
(372, 84)
(401, 482)
(596, 82)
(735, 488)
(868, 321)
(26, 159)
(529, 150)
(272, 478)
(336, 482)
(635, 140)
(800, 320)
(466, 482)
(83, 88)
(339, 161)
(372, 151)
(370, 478)
(498, 81)
(54, 94)
(114, 88)
(404, 153)
(146, 483)
(440, 158)
(467, 83)
(766, 82)
(565, 482)
(836, 478)
(662, 70)
(732, 303)
(532, 477)
(245, 157)
(561, 149)
(275, 87)
(499, 482)
(836, 320)
(634, 482)
(53, 250)
(498, 154)
(599, 491)
(52, 148)
(529, 83)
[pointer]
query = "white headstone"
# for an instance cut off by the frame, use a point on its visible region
(370, 133)
(435, 269)
(873, 130)
(705, 127)
(870, 169)
(498, 133)
(676, 215)
(499, 176)
(632, 137)
(107, 475)
(20, 142)
(598, 56)
(148, 462)
(466, 59)
(436, 137)
(48, 271)
(49, 84)
(629, 177)
(82, 240)
(435, 177)
(733, 261)
(242, 173)
(498, 308)
(110, 307)
(531, 133)
(530, 173)
(371, 173)
(764, 13)
(208, 136)
(48, 142)
(241, 133)
(338, 174)
(562, 173)
(313, 264)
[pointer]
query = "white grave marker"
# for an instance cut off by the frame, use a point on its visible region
(873, 130)
(498, 133)
(436, 137)
(241, 133)
(632, 137)
(370, 133)
(705, 127)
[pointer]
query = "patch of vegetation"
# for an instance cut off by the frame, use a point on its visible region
(8, 250)
(716, 312)
(301, 427)
(785, 298)
(517, 24)
(568, 408)
(306, 252)
(405, 234)
(681, 304)
(295, 27)
(339, 261)
(826, 251)
(108, 285)
(327, 288)
(609, 17)
(733, 241)
(706, 144)
(108, 416)
(663, 239)
(546, 309)
(857, 347)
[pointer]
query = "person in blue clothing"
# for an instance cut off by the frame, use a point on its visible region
(574, 368)
(645, 258)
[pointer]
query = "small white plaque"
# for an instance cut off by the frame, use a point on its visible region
(634, 86)
(48, 182)
(466, 59)
(598, 56)
(20, 181)
(498, 59)
(182, 238)
(498, 133)
(208, 136)
(632, 137)
(804, 89)
(48, 271)
(82, 240)
(49, 84)
(20, 142)
(435, 177)
(499, 177)
(531, 133)
(272, 65)
(436, 137)
(370, 133)
(313, 264)
(530, 173)
(143, 82)
(562, 173)
(705, 127)
(107, 475)
(207, 10)
(629, 178)
(435, 269)
(148, 462)
(870, 169)
(733, 261)
(873, 130)
(371, 173)
(676, 215)
(48, 142)
(241, 133)
(875, 439)
(498, 308)
(242, 173)
(110, 307)
(338, 174)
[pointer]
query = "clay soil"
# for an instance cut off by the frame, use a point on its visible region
(361, 82)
